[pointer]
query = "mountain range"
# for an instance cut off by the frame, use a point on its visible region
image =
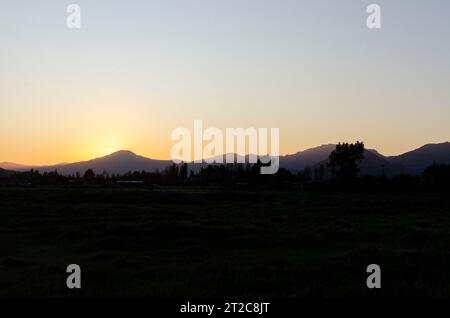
(119, 162)
(374, 163)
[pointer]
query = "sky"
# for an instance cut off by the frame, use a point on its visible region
(136, 70)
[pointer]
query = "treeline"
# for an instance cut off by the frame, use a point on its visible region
(339, 173)
(176, 174)
(435, 178)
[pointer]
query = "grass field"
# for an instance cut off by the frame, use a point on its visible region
(212, 242)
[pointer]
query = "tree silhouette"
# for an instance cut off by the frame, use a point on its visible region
(437, 176)
(89, 175)
(319, 173)
(184, 171)
(344, 161)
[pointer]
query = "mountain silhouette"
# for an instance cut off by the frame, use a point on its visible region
(119, 162)
(372, 164)
(413, 162)
(307, 158)
(15, 166)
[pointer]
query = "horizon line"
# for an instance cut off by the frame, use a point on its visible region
(224, 154)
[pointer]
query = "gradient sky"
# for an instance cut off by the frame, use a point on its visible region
(138, 69)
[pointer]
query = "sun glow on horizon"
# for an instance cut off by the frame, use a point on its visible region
(106, 147)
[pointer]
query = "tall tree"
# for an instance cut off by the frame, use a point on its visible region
(344, 161)
(89, 175)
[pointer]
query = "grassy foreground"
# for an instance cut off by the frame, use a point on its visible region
(212, 242)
